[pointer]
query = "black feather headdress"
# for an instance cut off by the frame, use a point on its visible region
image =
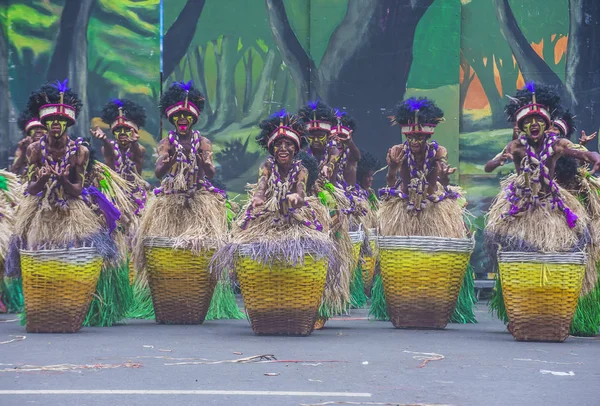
(281, 124)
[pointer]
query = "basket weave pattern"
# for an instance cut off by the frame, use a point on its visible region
(180, 284)
(422, 281)
(369, 269)
(540, 297)
(58, 287)
(282, 299)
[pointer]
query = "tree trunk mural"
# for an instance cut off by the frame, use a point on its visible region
(248, 61)
(226, 103)
(367, 61)
(257, 107)
(468, 76)
(583, 65)
(531, 65)
(69, 59)
(179, 36)
(5, 143)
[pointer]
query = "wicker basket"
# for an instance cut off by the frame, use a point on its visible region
(281, 299)
(541, 292)
(357, 238)
(180, 282)
(368, 270)
(57, 286)
(422, 277)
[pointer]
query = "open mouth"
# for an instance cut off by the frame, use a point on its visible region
(283, 155)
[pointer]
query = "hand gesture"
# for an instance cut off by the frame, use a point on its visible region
(295, 199)
(45, 172)
(257, 201)
(504, 156)
(395, 156)
(447, 170)
(586, 138)
(134, 136)
(326, 171)
(98, 133)
(206, 157)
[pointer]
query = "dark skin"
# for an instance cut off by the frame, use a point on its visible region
(127, 140)
(71, 178)
(20, 162)
(284, 152)
(366, 181)
(353, 158)
(397, 162)
(318, 143)
(534, 127)
(167, 156)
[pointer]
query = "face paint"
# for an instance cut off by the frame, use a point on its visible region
(183, 122)
(123, 134)
(534, 126)
(56, 126)
(284, 151)
(37, 132)
(417, 141)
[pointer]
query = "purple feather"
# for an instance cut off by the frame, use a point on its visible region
(571, 217)
(415, 104)
(530, 86)
(339, 114)
(186, 86)
(313, 105)
(279, 114)
(111, 213)
(118, 102)
(61, 87)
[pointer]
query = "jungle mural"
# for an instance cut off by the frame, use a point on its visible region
(252, 58)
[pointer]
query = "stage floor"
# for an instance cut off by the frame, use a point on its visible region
(352, 361)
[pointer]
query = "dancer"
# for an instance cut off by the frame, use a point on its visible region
(11, 294)
(32, 130)
(319, 119)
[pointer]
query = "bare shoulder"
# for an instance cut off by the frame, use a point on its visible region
(82, 155)
(34, 152)
(205, 144)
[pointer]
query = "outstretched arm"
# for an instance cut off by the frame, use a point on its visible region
(261, 188)
(206, 158)
(394, 159)
(500, 159)
(565, 147)
(443, 168)
(354, 155)
(296, 199)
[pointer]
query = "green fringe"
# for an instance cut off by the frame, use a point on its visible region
(223, 304)
(378, 309)
(12, 294)
(112, 299)
(496, 304)
(586, 320)
(141, 306)
(463, 312)
(358, 299)
(325, 312)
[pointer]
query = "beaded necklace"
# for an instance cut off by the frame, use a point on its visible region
(54, 191)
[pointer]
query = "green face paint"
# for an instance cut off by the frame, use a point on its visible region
(532, 121)
(123, 134)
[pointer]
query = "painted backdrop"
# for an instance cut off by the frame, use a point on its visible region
(252, 58)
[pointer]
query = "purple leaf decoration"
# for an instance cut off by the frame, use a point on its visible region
(415, 104)
(530, 86)
(571, 217)
(279, 114)
(118, 102)
(313, 105)
(61, 87)
(111, 213)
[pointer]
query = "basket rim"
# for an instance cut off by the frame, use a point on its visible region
(425, 243)
(574, 258)
(61, 251)
(245, 250)
(172, 242)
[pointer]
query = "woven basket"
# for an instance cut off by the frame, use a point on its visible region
(369, 262)
(541, 292)
(180, 283)
(357, 238)
(422, 277)
(281, 299)
(57, 286)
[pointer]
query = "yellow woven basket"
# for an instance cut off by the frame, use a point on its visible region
(58, 286)
(281, 299)
(180, 282)
(357, 238)
(422, 277)
(368, 270)
(541, 292)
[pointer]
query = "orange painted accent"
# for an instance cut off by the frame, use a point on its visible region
(514, 61)
(520, 81)
(497, 79)
(560, 49)
(476, 98)
(539, 48)
(552, 37)
(485, 61)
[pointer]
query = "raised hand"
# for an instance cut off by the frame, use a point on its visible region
(257, 201)
(98, 133)
(295, 199)
(586, 138)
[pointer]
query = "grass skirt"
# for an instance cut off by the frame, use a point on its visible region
(442, 219)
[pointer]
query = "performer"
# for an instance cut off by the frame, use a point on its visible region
(187, 207)
(417, 200)
(11, 295)
(32, 130)
(319, 119)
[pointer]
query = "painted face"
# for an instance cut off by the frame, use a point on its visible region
(534, 127)
(183, 122)
(284, 151)
(416, 142)
(318, 139)
(37, 132)
(123, 134)
(56, 126)
(367, 180)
